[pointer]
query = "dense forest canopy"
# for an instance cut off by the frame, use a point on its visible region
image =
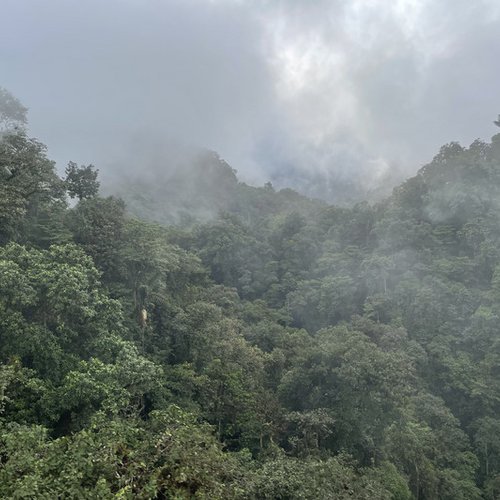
(250, 343)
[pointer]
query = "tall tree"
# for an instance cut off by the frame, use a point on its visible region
(81, 182)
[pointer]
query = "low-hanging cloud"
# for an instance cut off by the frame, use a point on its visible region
(294, 91)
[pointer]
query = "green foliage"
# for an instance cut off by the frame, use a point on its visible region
(279, 349)
(283, 478)
(81, 182)
(97, 225)
(12, 113)
(170, 456)
(28, 182)
(52, 307)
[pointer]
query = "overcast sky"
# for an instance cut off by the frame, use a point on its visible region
(350, 88)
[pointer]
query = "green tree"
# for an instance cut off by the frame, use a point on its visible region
(28, 183)
(81, 182)
(12, 113)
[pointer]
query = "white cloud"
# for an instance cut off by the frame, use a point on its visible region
(279, 88)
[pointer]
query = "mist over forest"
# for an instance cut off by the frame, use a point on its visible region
(335, 99)
(250, 250)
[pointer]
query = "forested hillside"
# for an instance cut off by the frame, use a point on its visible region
(279, 349)
(194, 187)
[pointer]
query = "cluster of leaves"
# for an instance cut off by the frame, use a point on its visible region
(284, 349)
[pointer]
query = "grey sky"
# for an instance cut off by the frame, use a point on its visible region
(352, 88)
